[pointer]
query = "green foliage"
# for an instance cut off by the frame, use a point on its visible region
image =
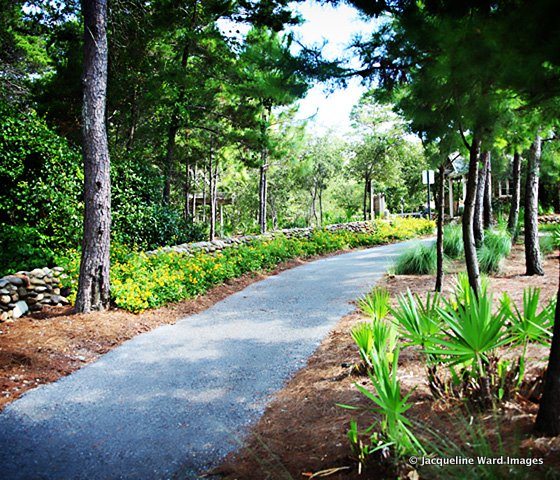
(418, 260)
(529, 326)
(140, 281)
(496, 246)
(40, 198)
(419, 321)
(453, 241)
(375, 304)
(462, 288)
(549, 243)
(472, 334)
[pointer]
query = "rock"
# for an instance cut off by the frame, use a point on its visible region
(58, 269)
(16, 280)
(20, 309)
(4, 316)
(31, 301)
(3, 282)
(14, 297)
(37, 273)
(59, 299)
(40, 289)
(5, 299)
(36, 307)
(37, 281)
(56, 291)
(39, 297)
(4, 291)
(22, 292)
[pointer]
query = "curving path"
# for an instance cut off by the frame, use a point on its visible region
(173, 402)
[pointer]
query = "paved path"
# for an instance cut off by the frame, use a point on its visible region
(172, 402)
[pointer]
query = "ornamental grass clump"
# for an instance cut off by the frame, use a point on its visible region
(453, 241)
(418, 260)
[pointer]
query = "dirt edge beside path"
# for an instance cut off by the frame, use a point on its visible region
(43, 347)
(303, 431)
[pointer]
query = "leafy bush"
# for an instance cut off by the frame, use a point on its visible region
(453, 241)
(418, 260)
(41, 195)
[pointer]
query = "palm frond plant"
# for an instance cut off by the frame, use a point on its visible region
(375, 304)
(528, 326)
(375, 338)
(418, 320)
(462, 288)
(472, 334)
(389, 402)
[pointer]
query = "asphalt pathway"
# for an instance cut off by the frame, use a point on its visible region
(173, 402)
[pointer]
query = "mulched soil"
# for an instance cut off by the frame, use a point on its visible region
(303, 431)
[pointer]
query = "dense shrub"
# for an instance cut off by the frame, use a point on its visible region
(41, 194)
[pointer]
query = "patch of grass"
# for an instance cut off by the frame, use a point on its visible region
(418, 260)
(549, 243)
(453, 241)
(496, 246)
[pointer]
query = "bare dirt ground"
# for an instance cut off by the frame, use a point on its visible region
(303, 431)
(47, 345)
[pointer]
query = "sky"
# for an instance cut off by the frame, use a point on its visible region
(335, 27)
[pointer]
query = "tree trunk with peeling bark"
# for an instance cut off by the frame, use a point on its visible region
(533, 263)
(439, 241)
(513, 217)
(93, 285)
(488, 214)
(471, 260)
(478, 219)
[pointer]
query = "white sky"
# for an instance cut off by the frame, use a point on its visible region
(335, 27)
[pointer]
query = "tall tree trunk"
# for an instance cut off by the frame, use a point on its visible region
(213, 171)
(439, 243)
(515, 194)
(548, 418)
(175, 117)
(366, 190)
(533, 262)
(204, 196)
(471, 259)
(187, 190)
(194, 191)
(488, 213)
(133, 120)
(169, 154)
(371, 201)
(478, 224)
(262, 194)
(320, 207)
(93, 285)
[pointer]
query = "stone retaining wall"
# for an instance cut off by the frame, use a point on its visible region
(216, 245)
(30, 291)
